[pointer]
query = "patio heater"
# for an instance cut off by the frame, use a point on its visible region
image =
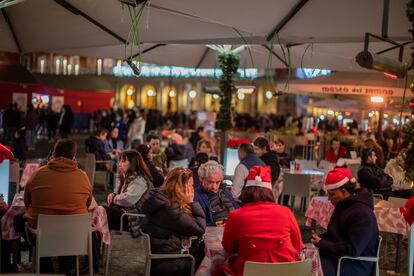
(375, 61)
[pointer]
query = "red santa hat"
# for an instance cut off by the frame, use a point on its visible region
(5, 153)
(338, 177)
(259, 176)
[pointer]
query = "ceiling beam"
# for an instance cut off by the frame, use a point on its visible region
(393, 47)
(147, 50)
(276, 55)
(203, 57)
(293, 11)
(6, 3)
(9, 23)
(76, 11)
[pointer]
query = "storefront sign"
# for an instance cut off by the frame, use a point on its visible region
(179, 72)
(346, 90)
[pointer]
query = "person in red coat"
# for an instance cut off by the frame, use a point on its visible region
(335, 151)
(261, 230)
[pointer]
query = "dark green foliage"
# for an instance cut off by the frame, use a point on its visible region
(229, 63)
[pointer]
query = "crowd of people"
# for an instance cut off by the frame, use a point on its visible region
(21, 129)
(181, 191)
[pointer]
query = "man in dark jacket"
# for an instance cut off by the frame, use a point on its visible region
(262, 149)
(176, 151)
(196, 136)
(95, 144)
(352, 229)
(216, 200)
(65, 121)
(372, 177)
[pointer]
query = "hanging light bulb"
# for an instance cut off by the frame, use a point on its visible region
(192, 94)
(172, 94)
(268, 95)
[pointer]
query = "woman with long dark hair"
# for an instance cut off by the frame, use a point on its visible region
(172, 218)
(261, 230)
(136, 181)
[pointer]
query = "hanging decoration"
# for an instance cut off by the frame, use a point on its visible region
(136, 9)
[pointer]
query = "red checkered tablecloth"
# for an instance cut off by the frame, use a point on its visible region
(215, 253)
(99, 220)
(389, 218)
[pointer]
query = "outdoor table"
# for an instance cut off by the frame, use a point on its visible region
(99, 219)
(215, 254)
(99, 222)
(389, 219)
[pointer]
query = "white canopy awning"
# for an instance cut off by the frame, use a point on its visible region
(335, 28)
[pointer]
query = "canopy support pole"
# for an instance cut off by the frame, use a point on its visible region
(77, 11)
(147, 50)
(6, 17)
(295, 9)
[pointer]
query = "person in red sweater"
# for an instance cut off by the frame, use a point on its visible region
(408, 210)
(261, 230)
(335, 151)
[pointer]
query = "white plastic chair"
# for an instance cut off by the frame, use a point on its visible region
(363, 258)
(278, 269)
(397, 202)
(410, 252)
(63, 235)
(297, 185)
(150, 256)
(90, 169)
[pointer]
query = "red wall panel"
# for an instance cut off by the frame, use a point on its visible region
(89, 100)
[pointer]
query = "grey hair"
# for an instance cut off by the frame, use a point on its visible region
(208, 168)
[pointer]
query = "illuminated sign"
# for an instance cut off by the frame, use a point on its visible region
(308, 73)
(179, 72)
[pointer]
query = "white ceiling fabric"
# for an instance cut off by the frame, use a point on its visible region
(335, 28)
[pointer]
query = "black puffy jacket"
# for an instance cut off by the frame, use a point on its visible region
(166, 224)
(352, 231)
(375, 179)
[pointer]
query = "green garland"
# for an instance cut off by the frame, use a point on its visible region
(409, 129)
(229, 63)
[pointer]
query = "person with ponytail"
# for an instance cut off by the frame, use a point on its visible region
(172, 220)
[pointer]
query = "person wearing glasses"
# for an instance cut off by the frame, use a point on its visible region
(215, 199)
(173, 218)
